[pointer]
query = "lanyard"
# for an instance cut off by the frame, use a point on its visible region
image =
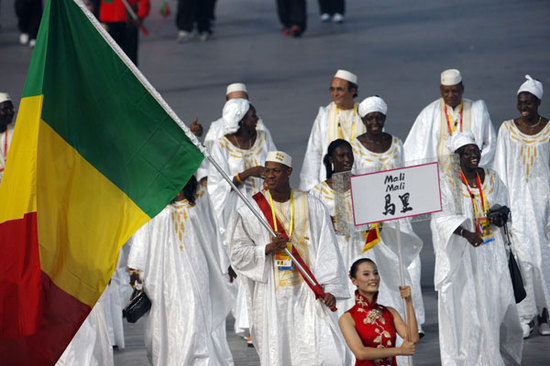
(340, 134)
(291, 213)
(481, 195)
(451, 127)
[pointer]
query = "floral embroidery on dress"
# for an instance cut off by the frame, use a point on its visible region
(374, 316)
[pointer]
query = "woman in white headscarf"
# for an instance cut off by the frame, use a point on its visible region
(523, 162)
(478, 321)
(376, 150)
(241, 154)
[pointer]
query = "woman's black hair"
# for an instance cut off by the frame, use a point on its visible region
(333, 146)
(355, 266)
(189, 190)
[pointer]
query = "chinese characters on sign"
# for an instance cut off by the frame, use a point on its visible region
(394, 194)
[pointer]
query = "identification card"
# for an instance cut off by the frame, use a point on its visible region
(283, 261)
(483, 226)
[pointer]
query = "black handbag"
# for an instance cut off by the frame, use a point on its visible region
(138, 306)
(515, 273)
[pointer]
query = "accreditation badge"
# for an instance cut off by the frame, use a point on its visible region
(283, 261)
(483, 226)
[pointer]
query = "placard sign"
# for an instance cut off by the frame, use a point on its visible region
(395, 194)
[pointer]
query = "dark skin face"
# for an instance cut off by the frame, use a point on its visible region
(277, 180)
(249, 120)
(340, 93)
(528, 106)
(374, 123)
(469, 158)
(342, 159)
(7, 111)
(452, 94)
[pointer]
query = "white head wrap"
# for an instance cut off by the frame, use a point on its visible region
(279, 157)
(372, 104)
(233, 112)
(346, 75)
(4, 97)
(459, 139)
(451, 77)
(236, 87)
(532, 86)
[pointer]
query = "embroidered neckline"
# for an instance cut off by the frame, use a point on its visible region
(362, 302)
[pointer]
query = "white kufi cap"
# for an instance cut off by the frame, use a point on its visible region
(372, 104)
(451, 77)
(346, 75)
(233, 112)
(279, 157)
(459, 139)
(4, 97)
(532, 86)
(236, 87)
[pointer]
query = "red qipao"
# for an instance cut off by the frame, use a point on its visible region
(375, 326)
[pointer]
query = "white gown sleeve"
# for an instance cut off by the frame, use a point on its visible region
(487, 133)
(499, 164)
(309, 176)
(418, 144)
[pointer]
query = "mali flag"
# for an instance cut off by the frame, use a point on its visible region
(96, 153)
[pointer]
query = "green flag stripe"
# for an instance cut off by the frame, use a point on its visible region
(94, 101)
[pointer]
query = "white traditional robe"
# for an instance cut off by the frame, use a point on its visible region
(5, 141)
(429, 134)
(478, 321)
(367, 161)
(523, 163)
(330, 124)
(91, 345)
(288, 325)
(116, 296)
(178, 252)
(234, 160)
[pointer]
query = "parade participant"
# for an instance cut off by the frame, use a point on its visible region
(522, 160)
(377, 150)
(370, 328)
(478, 319)
(91, 345)
(176, 255)
(7, 111)
(375, 244)
(29, 14)
(215, 131)
(191, 12)
(241, 154)
(288, 325)
(124, 30)
(338, 120)
(436, 123)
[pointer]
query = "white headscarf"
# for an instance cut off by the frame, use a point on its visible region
(459, 139)
(372, 104)
(233, 112)
(532, 86)
(4, 97)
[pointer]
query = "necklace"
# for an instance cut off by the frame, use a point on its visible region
(538, 122)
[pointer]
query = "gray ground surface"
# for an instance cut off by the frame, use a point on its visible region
(397, 48)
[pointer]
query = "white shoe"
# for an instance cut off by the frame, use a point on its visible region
(527, 330)
(183, 36)
(23, 38)
(32, 42)
(338, 18)
(325, 17)
(544, 329)
(204, 36)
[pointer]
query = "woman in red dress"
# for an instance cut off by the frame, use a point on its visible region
(369, 328)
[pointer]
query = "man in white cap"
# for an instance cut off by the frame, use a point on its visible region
(445, 116)
(288, 325)
(7, 111)
(338, 120)
(522, 161)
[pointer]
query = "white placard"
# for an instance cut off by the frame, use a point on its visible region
(395, 194)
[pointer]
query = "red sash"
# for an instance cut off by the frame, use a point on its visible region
(266, 210)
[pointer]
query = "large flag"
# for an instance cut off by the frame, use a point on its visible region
(96, 153)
